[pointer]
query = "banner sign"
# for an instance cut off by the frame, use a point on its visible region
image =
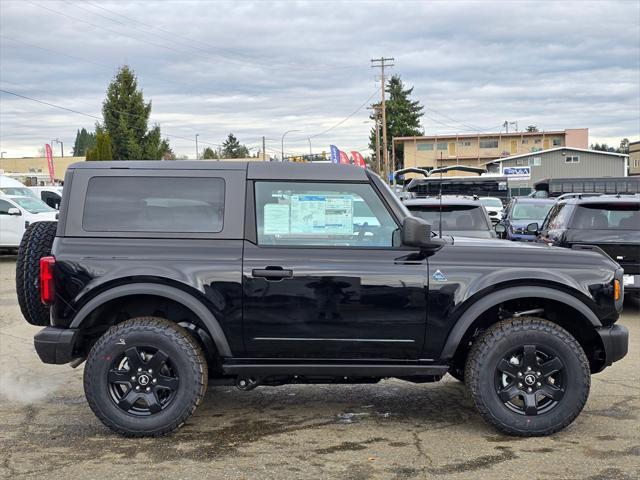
(521, 172)
(335, 154)
(47, 148)
(358, 159)
(344, 158)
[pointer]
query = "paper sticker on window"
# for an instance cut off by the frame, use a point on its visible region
(322, 214)
(276, 219)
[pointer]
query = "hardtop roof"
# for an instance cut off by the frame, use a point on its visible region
(257, 170)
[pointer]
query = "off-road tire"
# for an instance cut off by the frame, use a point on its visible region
(36, 243)
(494, 343)
(185, 354)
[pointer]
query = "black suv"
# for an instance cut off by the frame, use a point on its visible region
(609, 222)
(167, 276)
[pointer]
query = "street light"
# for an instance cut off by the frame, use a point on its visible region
(310, 151)
(57, 140)
(197, 154)
(2, 154)
(283, 135)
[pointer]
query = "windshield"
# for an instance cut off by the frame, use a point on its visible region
(530, 211)
(19, 191)
(33, 205)
(491, 202)
(454, 217)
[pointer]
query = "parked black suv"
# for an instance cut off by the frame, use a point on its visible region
(167, 275)
(610, 222)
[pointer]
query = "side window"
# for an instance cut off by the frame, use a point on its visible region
(154, 204)
(557, 217)
(322, 214)
(4, 207)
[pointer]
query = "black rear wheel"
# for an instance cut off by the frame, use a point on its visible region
(528, 376)
(145, 377)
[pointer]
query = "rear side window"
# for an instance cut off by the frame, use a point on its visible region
(154, 204)
(607, 216)
(454, 217)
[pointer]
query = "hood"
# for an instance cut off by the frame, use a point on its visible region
(42, 217)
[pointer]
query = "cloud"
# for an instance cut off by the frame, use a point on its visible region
(261, 68)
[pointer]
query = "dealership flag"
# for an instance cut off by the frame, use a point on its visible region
(47, 148)
(344, 158)
(358, 159)
(335, 154)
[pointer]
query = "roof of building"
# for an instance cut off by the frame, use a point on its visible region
(540, 152)
(476, 135)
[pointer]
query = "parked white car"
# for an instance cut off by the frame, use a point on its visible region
(494, 208)
(11, 186)
(50, 195)
(17, 213)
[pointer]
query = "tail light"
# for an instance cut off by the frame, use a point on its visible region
(47, 287)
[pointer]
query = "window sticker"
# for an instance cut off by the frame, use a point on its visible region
(276, 219)
(321, 214)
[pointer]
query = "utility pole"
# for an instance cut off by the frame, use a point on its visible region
(381, 63)
(507, 123)
(264, 151)
(310, 151)
(197, 152)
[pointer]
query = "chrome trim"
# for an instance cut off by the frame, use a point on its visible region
(286, 339)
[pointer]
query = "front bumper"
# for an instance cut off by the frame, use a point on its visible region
(616, 342)
(56, 345)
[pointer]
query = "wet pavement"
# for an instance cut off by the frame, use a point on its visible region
(391, 430)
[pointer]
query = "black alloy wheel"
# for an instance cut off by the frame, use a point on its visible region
(142, 381)
(529, 381)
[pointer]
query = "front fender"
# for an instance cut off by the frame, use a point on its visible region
(495, 298)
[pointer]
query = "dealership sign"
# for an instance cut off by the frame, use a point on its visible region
(517, 172)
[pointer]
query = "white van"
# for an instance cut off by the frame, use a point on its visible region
(17, 213)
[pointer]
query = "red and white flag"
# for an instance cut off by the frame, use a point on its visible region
(49, 153)
(358, 159)
(344, 158)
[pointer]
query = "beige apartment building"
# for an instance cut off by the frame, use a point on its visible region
(634, 158)
(477, 149)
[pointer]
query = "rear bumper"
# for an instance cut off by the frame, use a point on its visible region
(616, 342)
(55, 345)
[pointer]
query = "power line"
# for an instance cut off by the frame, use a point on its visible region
(96, 117)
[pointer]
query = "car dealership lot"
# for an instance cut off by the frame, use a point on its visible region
(393, 429)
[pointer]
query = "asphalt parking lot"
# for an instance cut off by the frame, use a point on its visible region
(393, 430)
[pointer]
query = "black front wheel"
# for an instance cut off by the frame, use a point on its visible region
(145, 377)
(528, 376)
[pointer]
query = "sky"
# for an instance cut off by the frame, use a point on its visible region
(264, 68)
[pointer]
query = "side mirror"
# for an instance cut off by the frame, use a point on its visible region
(500, 228)
(416, 232)
(532, 228)
(14, 211)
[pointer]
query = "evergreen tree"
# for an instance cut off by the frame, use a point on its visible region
(209, 154)
(102, 150)
(231, 148)
(532, 128)
(403, 116)
(126, 119)
(84, 141)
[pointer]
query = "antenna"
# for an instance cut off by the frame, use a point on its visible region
(440, 219)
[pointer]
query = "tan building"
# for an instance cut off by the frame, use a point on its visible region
(37, 165)
(477, 149)
(634, 158)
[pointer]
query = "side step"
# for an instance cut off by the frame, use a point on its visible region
(338, 370)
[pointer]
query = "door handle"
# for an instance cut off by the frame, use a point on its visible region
(272, 273)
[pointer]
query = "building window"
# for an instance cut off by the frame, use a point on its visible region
(538, 140)
(525, 141)
(489, 143)
(572, 159)
(442, 145)
(557, 142)
(535, 162)
(423, 147)
(465, 144)
(522, 161)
